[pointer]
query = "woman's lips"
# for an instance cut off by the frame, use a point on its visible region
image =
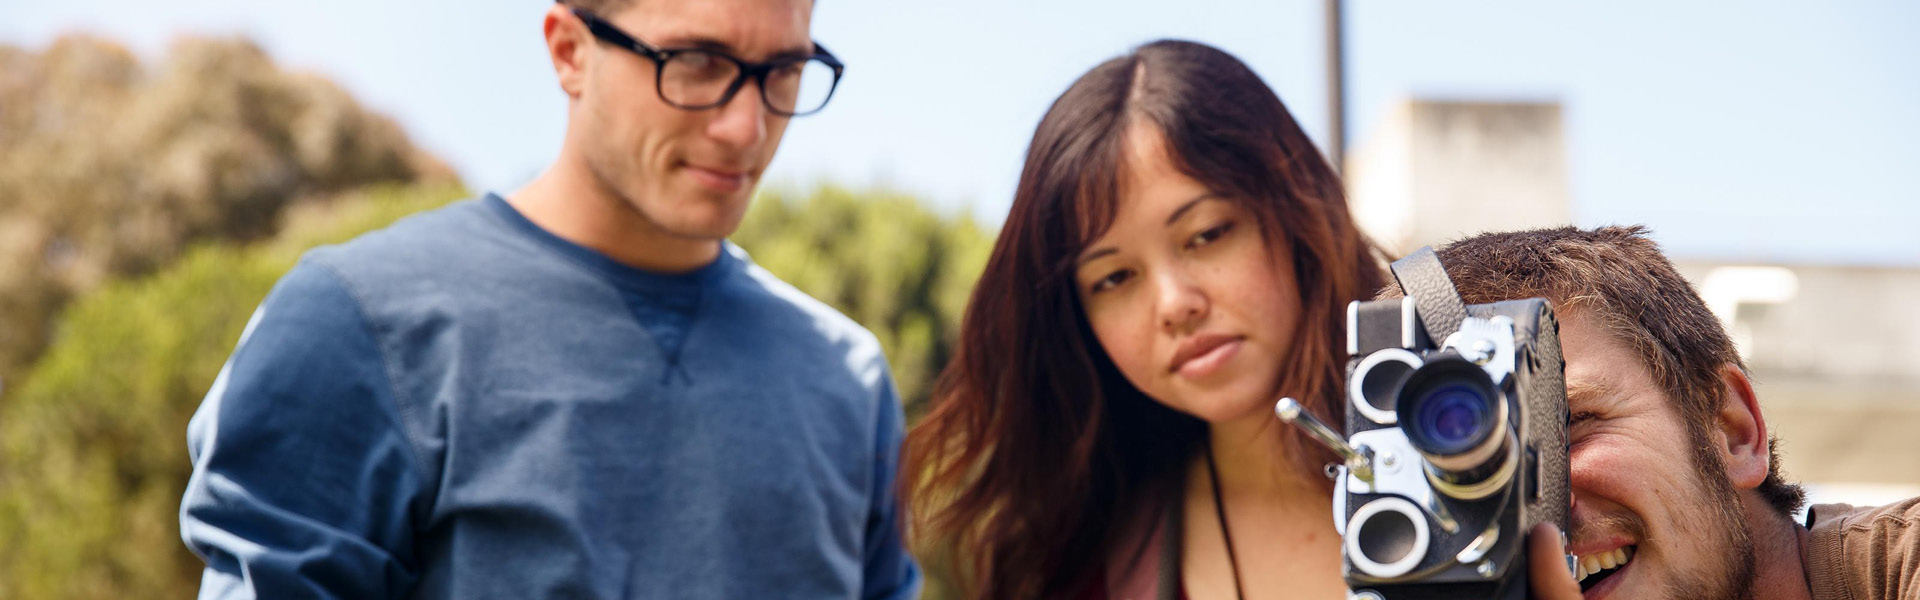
(1203, 355)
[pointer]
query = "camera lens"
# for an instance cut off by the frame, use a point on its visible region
(1453, 406)
(1456, 417)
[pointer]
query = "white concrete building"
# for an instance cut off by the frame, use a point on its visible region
(1834, 349)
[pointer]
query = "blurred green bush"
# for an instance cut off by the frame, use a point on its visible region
(111, 168)
(885, 260)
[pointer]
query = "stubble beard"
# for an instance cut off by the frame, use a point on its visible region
(1720, 511)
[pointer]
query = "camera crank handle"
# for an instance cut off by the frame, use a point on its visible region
(1359, 460)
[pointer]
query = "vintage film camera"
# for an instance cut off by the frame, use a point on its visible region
(1455, 440)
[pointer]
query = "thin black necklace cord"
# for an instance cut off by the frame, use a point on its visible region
(1220, 510)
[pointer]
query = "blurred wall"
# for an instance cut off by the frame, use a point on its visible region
(1834, 349)
(1440, 170)
(1835, 353)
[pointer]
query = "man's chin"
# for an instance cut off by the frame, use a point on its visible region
(705, 228)
(698, 213)
(1724, 580)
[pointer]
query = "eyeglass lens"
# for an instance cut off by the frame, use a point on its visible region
(694, 78)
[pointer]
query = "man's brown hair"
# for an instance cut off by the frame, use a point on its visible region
(604, 8)
(1619, 278)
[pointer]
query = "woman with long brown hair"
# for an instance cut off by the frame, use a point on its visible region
(1178, 256)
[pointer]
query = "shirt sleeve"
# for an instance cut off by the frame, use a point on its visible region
(890, 570)
(304, 484)
(1864, 552)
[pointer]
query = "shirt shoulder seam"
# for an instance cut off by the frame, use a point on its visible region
(402, 407)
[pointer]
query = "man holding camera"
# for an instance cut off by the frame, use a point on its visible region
(581, 390)
(1676, 485)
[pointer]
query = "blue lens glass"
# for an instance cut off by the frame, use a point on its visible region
(1453, 418)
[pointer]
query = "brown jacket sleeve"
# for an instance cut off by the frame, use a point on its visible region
(1864, 553)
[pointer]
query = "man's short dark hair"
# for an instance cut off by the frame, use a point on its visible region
(599, 7)
(606, 8)
(1619, 278)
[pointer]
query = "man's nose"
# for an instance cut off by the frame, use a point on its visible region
(742, 121)
(1583, 474)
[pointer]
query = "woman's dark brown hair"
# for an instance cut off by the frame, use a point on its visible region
(1037, 451)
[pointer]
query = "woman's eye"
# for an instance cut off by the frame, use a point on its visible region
(1111, 280)
(1212, 233)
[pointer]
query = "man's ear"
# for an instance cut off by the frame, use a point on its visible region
(1742, 431)
(567, 44)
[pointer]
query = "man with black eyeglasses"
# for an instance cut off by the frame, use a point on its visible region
(580, 389)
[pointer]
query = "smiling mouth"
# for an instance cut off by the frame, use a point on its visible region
(1597, 567)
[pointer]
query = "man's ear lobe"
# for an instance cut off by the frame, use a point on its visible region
(1742, 436)
(566, 46)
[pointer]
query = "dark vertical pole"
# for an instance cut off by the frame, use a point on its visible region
(1336, 87)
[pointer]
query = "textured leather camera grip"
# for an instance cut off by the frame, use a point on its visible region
(1422, 278)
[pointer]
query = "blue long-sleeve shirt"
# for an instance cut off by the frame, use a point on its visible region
(466, 406)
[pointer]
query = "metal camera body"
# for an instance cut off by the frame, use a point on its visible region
(1455, 447)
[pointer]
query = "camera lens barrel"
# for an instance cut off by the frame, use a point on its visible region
(1456, 417)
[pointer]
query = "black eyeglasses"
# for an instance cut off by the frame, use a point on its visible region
(696, 79)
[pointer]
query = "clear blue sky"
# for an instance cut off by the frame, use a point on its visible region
(1767, 130)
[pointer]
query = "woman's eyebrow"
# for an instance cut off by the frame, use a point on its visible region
(1182, 211)
(1094, 254)
(1171, 219)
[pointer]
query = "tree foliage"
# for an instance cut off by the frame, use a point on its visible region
(882, 258)
(111, 168)
(93, 457)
